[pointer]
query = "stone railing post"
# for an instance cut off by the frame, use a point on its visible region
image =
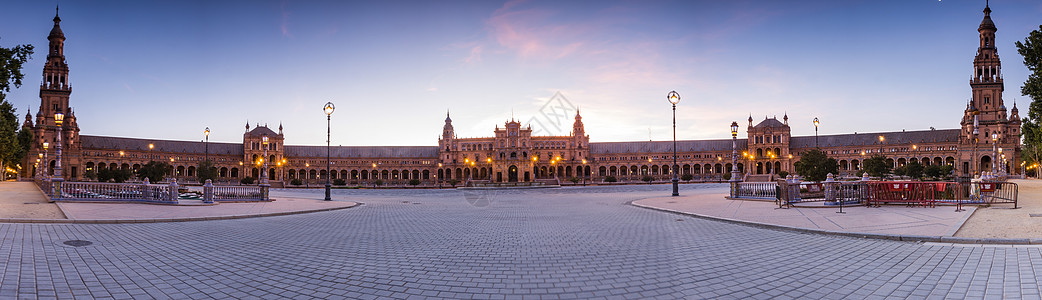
(864, 177)
(146, 193)
(264, 192)
(56, 189)
(173, 191)
(830, 187)
(208, 192)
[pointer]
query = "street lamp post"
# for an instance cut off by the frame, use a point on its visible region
(328, 109)
(150, 146)
(975, 112)
(994, 150)
(816, 133)
(206, 143)
(46, 161)
(489, 169)
(264, 161)
(436, 179)
(674, 98)
(734, 159)
(58, 178)
(584, 172)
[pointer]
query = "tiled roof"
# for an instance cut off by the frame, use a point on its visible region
(363, 151)
(663, 146)
(135, 144)
(770, 123)
(892, 138)
(262, 131)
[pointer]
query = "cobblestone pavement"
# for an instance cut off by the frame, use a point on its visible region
(521, 244)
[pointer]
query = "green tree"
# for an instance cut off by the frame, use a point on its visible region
(153, 170)
(876, 166)
(912, 169)
(11, 61)
(815, 165)
(206, 170)
(1031, 129)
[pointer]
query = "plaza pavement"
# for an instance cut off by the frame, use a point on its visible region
(994, 224)
(566, 243)
(24, 203)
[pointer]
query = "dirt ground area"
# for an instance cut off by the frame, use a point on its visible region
(1001, 221)
(23, 200)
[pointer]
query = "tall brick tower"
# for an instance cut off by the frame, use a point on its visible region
(55, 90)
(987, 86)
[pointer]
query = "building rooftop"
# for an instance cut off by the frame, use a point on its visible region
(663, 146)
(363, 151)
(872, 139)
(136, 144)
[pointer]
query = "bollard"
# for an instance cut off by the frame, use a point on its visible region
(208, 192)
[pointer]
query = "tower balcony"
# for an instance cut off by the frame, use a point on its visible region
(58, 86)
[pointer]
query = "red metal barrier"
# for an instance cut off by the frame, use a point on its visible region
(912, 193)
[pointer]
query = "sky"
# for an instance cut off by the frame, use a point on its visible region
(169, 69)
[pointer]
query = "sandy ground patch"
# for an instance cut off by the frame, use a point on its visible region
(1000, 221)
(23, 200)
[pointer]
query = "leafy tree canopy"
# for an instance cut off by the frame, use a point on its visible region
(815, 165)
(876, 166)
(155, 171)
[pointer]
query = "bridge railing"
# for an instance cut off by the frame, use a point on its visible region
(756, 190)
(146, 192)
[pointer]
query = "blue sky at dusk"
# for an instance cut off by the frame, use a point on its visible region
(168, 69)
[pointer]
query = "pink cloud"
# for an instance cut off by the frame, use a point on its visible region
(284, 24)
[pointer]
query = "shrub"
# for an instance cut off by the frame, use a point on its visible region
(414, 182)
(247, 180)
(339, 181)
(727, 176)
(378, 182)
(296, 181)
(783, 174)
(453, 182)
(647, 178)
(610, 179)
(574, 179)
(687, 177)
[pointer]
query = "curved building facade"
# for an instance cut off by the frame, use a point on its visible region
(513, 154)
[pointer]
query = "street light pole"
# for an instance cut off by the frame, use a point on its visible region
(328, 109)
(58, 178)
(583, 172)
(674, 98)
(816, 133)
(46, 161)
(264, 161)
(994, 150)
(734, 159)
(975, 112)
(206, 143)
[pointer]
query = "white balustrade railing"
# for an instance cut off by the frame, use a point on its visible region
(152, 193)
(115, 191)
(237, 193)
(757, 190)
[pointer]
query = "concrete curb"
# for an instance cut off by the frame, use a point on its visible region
(168, 220)
(880, 236)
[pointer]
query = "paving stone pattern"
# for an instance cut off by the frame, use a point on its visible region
(567, 243)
